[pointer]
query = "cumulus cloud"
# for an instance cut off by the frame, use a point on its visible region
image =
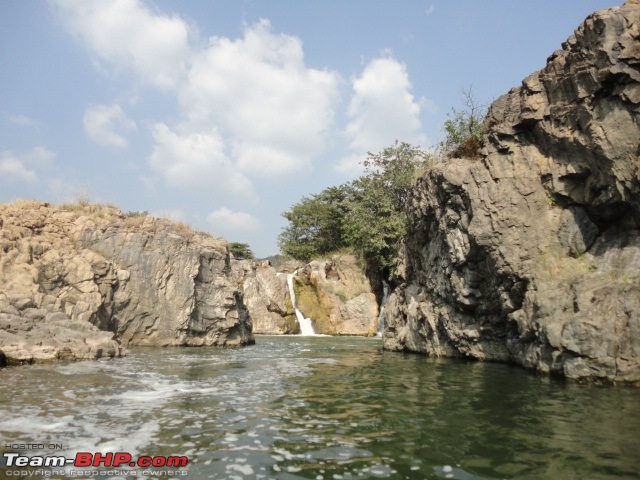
(196, 160)
(275, 111)
(128, 35)
(224, 219)
(23, 167)
(106, 124)
(12, 168)
(382, 110)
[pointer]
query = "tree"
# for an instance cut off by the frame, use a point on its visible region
(366, 215)
(315, 225)
(377, 220)
(241, 251)
(465, 129)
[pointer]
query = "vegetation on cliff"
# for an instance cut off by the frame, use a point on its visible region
(366, 216)
(465, 128)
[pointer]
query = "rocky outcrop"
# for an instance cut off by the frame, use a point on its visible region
(532, 254)
(266, 295)
(148, 281)
(336, 295)
(174, 286)
(34, 330)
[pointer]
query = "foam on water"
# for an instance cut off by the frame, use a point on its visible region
(293, 408)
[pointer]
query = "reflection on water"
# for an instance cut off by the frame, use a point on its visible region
(326, 408)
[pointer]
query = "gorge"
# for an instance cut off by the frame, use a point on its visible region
(504, 342)
(531, 253)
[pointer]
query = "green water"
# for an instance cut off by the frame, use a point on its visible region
(325, 408)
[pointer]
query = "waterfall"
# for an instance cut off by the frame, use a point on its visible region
(306, 327)
(385, 297)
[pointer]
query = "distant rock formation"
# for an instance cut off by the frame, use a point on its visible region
(333, 292)
(266, 295)
(91, 269)
(337, 296)
(532, 254)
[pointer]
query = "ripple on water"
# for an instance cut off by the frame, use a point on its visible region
(321, 407)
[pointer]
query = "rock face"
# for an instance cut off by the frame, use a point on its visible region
(147, 281)
(336, 295)
(266, 295)
(34, 330)
(532, 254)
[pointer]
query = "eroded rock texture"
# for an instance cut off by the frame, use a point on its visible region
(333, 292)
(266, 295)
(135, 280)
(336, 295)
(532, 253)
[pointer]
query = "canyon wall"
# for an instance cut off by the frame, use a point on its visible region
(119, 280)
(531, 254)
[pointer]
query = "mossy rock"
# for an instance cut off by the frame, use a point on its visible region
(291, 325)
(314, 304)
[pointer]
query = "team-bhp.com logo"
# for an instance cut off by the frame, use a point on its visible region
(96, 460)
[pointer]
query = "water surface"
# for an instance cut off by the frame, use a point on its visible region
(326, 408)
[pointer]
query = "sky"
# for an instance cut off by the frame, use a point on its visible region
(224, 113)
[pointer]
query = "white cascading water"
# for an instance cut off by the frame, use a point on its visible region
(306, 327)
(385, 297)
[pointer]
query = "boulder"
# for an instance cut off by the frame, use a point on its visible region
(266, 295)
(36, 336)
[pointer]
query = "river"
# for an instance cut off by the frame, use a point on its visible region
(320, 408)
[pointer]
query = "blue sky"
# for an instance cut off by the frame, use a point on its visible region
(223, 113)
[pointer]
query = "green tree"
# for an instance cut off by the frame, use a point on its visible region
(241, 251)
(315, 225)
(465, 128)
(377, 220)
(366, 215)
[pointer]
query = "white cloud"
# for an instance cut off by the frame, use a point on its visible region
(12, 168)
(228, 220)
(22, 120)
(22, 167)
(382, 110)
(40, 156)
(273, 112)
(430, 9)
(127, 34)
(105, 124)
(174, 214)
(196, 160)
(257, 90)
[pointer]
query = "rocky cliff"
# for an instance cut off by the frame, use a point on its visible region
(266, 295)
(336, 295)
(333, 292)
(91, 269)
(532, 253)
